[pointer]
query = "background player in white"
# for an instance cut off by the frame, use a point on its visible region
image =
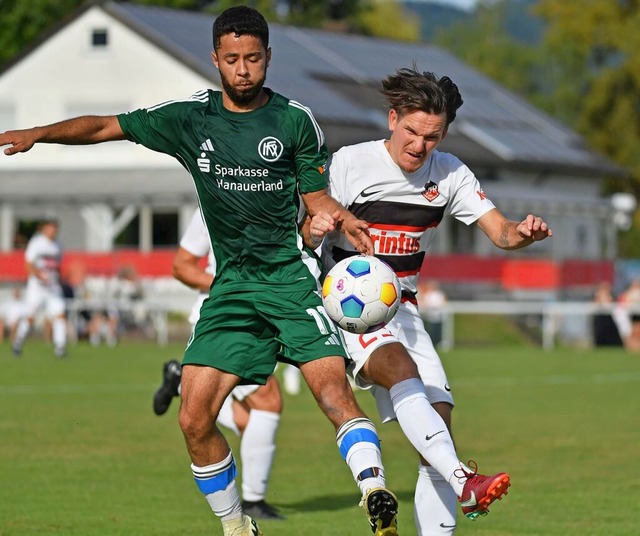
(403, 187)
(251, 411)
(12, 311)
(268, 152)
(43, 258)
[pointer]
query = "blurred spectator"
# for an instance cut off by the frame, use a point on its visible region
(431, 300)
(605, 329)
(629, 302)
(98, 318)
(103, 326)
(128, 294)
(11, 312)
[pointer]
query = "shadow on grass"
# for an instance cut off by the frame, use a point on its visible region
(334, 502)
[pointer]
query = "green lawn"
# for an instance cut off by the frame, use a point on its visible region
(82, 454)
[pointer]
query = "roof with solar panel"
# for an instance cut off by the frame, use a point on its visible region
(337, 75)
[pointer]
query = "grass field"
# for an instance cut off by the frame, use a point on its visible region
(82, 454)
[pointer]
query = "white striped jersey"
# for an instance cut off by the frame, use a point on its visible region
(45, 255)
(402, 209)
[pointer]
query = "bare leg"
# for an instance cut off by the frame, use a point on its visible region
(327, 380)
(356, 437)
(203, 390)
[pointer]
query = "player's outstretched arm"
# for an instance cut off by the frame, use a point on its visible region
(353, 228)
(83, 130)
(509, 234)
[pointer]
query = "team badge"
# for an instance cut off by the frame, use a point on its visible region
(270, 149)
(430, 191)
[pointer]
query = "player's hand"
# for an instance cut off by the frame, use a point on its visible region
(534, 227)
(357, 234)
(321, 224)
(19, 140)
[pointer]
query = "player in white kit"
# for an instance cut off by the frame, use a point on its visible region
(251, 411)
(43, 258)
(403, 187)
(11, 312)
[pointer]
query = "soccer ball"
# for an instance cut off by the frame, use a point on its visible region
(361, 294)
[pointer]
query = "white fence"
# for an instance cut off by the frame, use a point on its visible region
(155, 313)
(553, 314)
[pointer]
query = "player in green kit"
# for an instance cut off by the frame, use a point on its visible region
(252, 154)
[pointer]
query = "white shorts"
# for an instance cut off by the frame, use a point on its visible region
(407, 327)
(37, 295)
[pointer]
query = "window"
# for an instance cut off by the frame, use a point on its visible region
(99, 38)
(130, 235)
(25, 229)
(165, 229)
(164, 233)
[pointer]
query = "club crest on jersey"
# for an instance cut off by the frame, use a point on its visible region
(430, 191)
(270, 149)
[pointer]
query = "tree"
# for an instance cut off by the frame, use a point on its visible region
(309, 13)
(600, 79)
(606, 45)
(380, 18)
(388, 18)
(484, 43)
(23, 21)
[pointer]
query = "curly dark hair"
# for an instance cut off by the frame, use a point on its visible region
(240, 20)
(409, 90)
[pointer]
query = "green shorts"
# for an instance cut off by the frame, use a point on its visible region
(246, 332)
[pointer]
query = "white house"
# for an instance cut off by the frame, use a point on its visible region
(112, 57)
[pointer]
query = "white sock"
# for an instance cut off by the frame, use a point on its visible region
(360, 447)
(21, 332)
(425, 429)
(291, 376)
(257, 448)
(217, 483)
(94, 338)
(225, 417)
(59, 329)
(435, 504)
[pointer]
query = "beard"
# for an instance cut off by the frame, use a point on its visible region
(244, 96)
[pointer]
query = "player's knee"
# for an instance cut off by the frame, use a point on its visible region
(389, 365)
(194, 423)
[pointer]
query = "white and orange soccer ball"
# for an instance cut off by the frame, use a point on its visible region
(361, 294)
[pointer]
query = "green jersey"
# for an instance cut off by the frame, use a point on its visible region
(249, 169)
